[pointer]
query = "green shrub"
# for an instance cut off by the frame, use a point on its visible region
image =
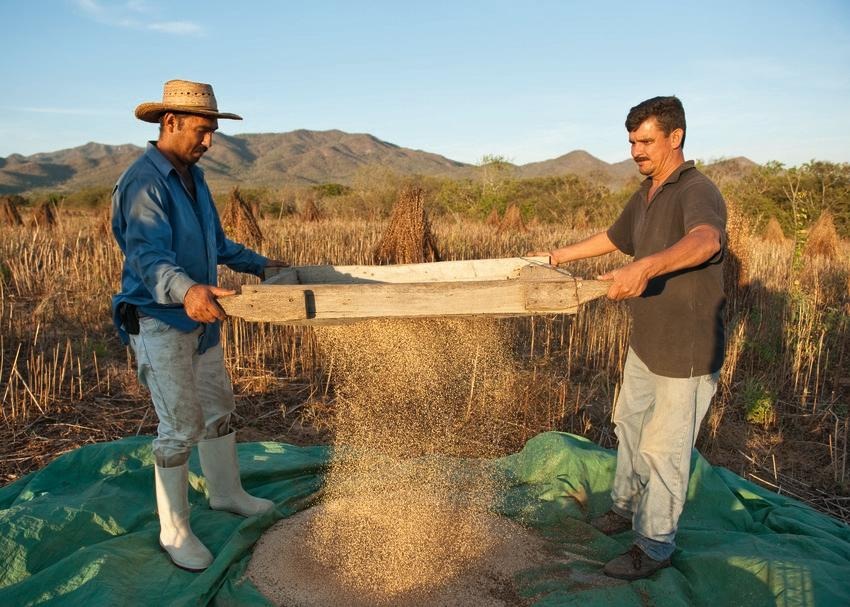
(759, 403)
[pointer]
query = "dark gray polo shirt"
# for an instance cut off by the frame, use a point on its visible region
(677, 328)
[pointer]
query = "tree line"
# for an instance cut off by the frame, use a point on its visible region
(794, 196)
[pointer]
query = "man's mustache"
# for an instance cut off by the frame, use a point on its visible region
(641, 158)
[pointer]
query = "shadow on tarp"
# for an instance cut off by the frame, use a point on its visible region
(83, 531)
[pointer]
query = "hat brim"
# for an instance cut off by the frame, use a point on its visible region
(151, 112)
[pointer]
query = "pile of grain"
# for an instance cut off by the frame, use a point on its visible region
(403, 518)
(291, 575)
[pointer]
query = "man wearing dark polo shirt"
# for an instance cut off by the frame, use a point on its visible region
(674, 227)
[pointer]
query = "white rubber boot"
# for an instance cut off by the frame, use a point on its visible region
(221, 469)
(175, 535)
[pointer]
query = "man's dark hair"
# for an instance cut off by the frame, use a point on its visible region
(667, 111)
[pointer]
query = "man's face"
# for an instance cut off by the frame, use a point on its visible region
(191, 136)
(652, 150)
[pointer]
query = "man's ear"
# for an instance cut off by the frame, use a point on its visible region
(676, 137)
(169, 122)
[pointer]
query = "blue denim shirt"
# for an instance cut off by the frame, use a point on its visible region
(170, 243)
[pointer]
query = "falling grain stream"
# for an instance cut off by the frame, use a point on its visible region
(407, 515)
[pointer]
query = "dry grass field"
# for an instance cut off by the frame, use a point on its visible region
(780, 417)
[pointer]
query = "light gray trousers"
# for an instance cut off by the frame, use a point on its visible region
(191, 393)
(656, 420)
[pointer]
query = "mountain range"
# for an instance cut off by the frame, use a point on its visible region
(299, 157)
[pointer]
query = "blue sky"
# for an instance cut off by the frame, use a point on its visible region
(525, 80)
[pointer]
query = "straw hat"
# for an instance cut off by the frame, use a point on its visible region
(183, 96)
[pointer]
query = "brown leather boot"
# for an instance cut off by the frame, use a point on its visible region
(611, 523)
(633, 565)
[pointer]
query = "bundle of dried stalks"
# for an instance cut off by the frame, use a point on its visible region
(773, 232)
(736, 266)
(256, 210)
(512, 221)
(408, 237)
(823, 238)
(239, 222)
(44, 216)
(493, 220)
(104, 223)
(309, 209)
(9, 215)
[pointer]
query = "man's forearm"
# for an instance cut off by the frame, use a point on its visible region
(598, 244)
(694, 248)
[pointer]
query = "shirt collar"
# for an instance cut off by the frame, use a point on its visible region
(674, 176)
(685, 166)
(162, 164)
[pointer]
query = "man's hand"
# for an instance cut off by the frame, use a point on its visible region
(201, 305)
(628, 281)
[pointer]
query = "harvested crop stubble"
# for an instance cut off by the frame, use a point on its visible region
(403, 517)
(104, 222)
(44, 216)
(309, 209)
(736, 265)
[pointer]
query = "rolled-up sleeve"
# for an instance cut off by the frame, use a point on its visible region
(149, 247)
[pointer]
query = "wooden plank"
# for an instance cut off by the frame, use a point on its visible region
(544, 272)
(281, 276)
(441, 271)
(566, 297)
(259, 303)
(337, 303)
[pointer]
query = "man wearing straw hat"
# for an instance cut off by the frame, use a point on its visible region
(675, 228)
(166, 224)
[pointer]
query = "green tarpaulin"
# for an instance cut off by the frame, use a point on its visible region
(83, 531)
